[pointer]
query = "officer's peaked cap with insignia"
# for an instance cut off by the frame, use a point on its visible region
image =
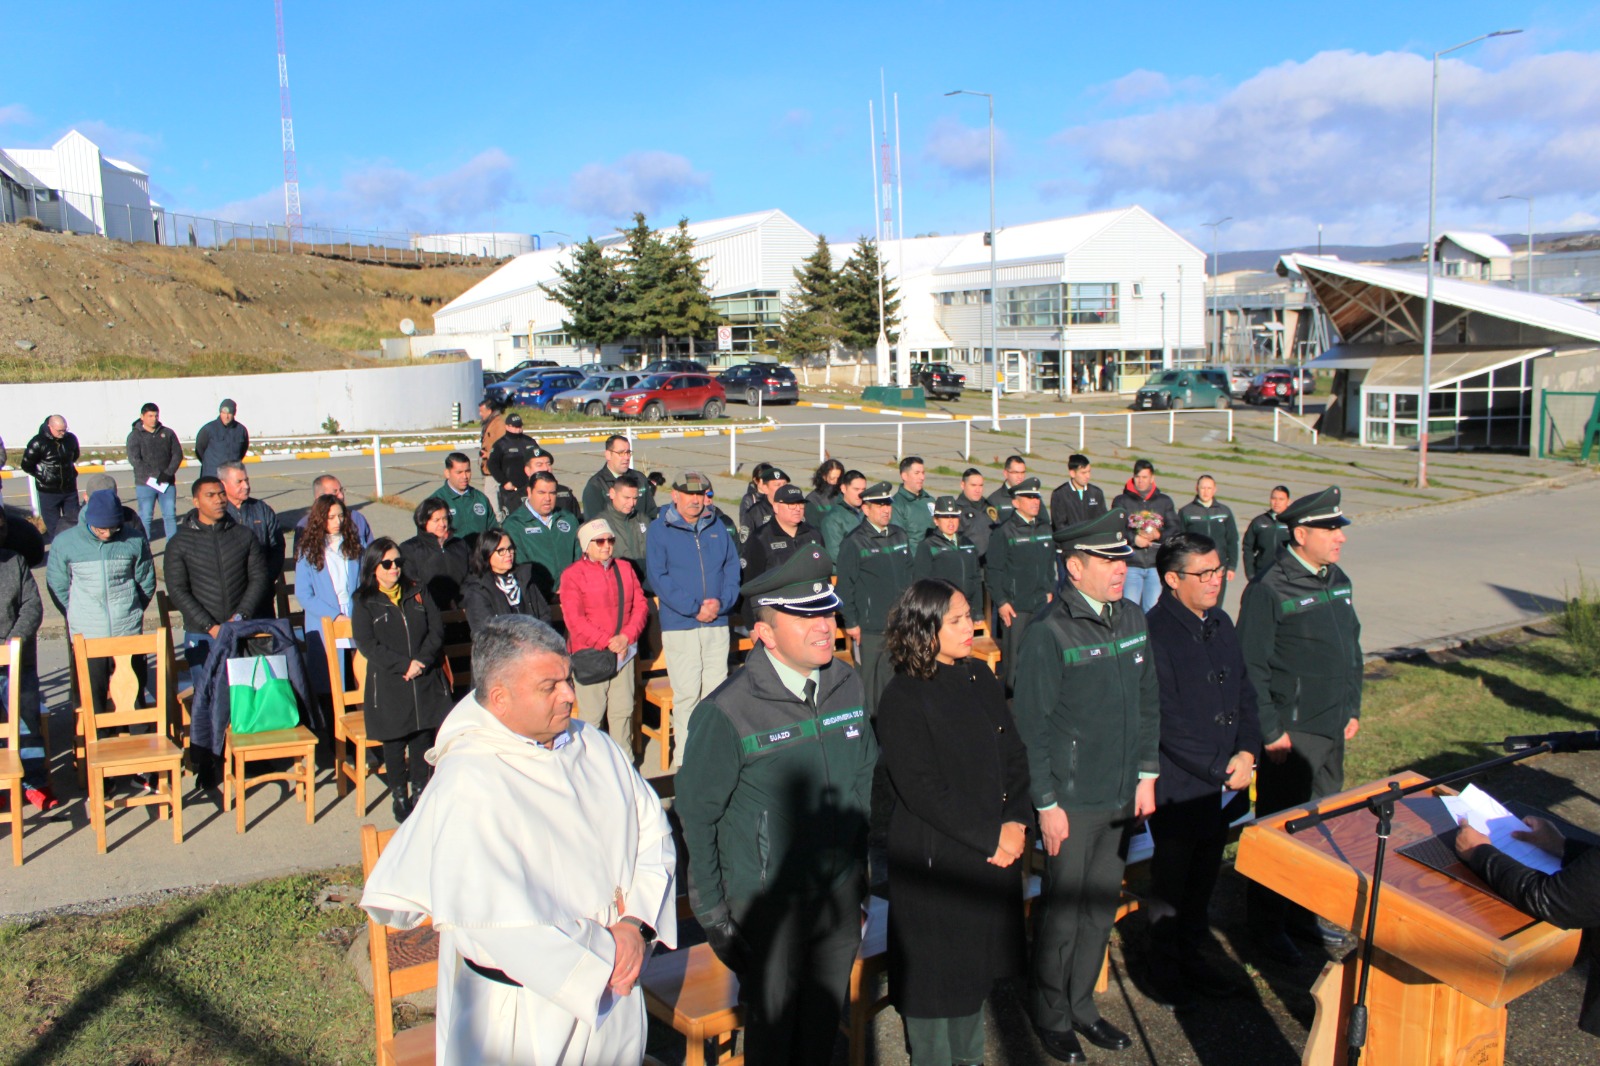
(1320, 510)
(878, 492)
(801, 585)
(946, 507)
(1028, 486)
(1105, 535)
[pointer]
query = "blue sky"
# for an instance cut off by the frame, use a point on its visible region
(566, 117)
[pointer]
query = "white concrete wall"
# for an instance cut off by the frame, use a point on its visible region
(271, 405)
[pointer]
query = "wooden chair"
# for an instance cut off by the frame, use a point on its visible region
(691, 991)
(458, 656)
(11, 737)
(282, 590)
(349, 721)
(984, 647)
(841, 647)
(403, 961)
(652, 686)
(124, 755)
(241, 749)
(182, 689)
(866, 1002)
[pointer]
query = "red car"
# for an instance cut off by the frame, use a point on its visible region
(663, 396)
(1275, 386)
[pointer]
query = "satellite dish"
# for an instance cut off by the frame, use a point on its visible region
(408, 327)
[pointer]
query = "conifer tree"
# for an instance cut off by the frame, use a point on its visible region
(590, 290)
(810, 321)
(858, 299)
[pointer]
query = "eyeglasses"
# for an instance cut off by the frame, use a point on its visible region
(1205, 575)
(505, 549)
(621, 451)
(602, 540)
(389, 564)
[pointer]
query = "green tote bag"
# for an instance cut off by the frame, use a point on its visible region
(260, 698)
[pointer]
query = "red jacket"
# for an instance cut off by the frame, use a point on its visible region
(589, 604)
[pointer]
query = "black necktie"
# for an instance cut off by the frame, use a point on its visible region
(811, 694)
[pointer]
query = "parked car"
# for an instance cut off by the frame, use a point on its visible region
(662, 396)
(503, 388)
(602, 368)
(1272, 386)
(531, 364)
(1177, 389)
(1308, 377)
(1238, 378)
(491, 377)
(760, 382)
(538, 390)
(674, 366)
(592, 392)
(938, 380)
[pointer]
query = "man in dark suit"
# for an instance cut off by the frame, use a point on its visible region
(1076, 500)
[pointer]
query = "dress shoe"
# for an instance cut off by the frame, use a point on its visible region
(1103, 1034)
(1276, 946)
(1063, 1047)
(402, 809)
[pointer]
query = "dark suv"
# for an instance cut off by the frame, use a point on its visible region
(674, 366)
(938, 380)
(760, 382)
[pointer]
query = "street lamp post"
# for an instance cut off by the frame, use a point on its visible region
(1427, 308)
(994, 299)
(1216, 322)
(1529, 199)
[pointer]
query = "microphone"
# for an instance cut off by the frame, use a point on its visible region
(1568, 741)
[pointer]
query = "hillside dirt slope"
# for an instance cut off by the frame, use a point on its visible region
(76, 307)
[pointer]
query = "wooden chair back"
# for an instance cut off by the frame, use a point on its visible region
(11, 728)
(346, 700)
(180, 690)
(457, 656)
(122, 694)
(389, 981)
(282, 592)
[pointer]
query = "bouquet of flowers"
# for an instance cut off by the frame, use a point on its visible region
(1146, 524)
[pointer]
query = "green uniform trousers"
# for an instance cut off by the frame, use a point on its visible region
(946, 1041)
(1314, 769)
(1073, 916)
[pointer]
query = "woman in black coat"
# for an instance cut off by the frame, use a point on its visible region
(434, 558)
(960, 778)
(493, 588)
(397, 628)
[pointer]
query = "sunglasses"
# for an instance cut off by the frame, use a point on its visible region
(388, 564)
(602, 540)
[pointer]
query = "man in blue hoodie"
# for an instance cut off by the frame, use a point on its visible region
(692, 560)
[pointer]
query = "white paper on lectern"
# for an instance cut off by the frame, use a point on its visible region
(1488, 816)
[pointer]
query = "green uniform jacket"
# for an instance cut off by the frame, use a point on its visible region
(1264, 538)
(1088, 705)
(874, 568)
(1022, 563)
(954, 560)
(1215, 522)
(1302, 646)
(774, 795)
(914, 514)
(471, 512)
(836, 525)
(543, 552)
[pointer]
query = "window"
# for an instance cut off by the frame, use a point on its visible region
(552, 340)
(1093, 304)
(1031, 305)
(520, 341)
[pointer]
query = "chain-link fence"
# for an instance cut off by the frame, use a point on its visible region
(70, 212)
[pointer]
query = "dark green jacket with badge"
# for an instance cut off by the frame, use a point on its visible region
(1302, 645)
(1088, 705)
(836, 525)
(874, 569)
(1215, 522)
(954, 560)
(1022, 563)
(914, 514)
(1264, 538)
(774, 795)
(543, 551)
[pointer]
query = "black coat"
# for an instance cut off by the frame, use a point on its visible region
(482, 599)
(1208, 705)
(959, 773)
(441, 568)
(215, 572)
(51, 461)
(1159, 504)
(391, 637)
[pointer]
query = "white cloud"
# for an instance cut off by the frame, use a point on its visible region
(1342, 138)
(640, 181)
(962, 151)
(15, 115)
(1136, 86)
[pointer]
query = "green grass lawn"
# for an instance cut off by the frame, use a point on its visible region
(255, 974)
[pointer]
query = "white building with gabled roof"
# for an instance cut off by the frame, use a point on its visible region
(86, 191)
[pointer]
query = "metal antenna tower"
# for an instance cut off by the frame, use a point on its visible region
(291, 176)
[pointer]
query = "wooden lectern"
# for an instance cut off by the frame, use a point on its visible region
(1447, 956)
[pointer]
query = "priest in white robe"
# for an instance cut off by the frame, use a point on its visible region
(544, 861)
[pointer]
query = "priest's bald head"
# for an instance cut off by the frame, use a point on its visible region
(523, 676)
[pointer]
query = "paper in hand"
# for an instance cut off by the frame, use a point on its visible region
(1488, 816)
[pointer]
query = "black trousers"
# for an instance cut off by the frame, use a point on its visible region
(59, 511)
(1011, 645)
(1314, 769)
(1189, 837)
(795, 995)
(1073, 915)
(403, 760)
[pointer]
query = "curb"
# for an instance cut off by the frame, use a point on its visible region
(1411, 652)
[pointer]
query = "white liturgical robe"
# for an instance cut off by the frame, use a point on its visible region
(520, 855)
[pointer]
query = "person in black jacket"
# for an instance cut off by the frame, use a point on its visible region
(960, 824)
(1076, 500)
(221, 440)
(215, 571)
(1210, 740)
(51, 460)
(1569, 898)
(156, 453)
(508, 464)
(1151, 515)
(1266, 534)
(396, 627)
(772, 545)
(434, 558)
(493, 588)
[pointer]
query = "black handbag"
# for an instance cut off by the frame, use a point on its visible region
(594, 666)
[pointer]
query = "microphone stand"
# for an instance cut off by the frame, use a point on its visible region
(1382, 805)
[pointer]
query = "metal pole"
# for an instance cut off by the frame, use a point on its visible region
(1172, 424)
(1230, 425)
(994, 296)
(1130, 430)
(822, 442)
(966, 447)
(1276, 412)
(1081, 424)
(1027, 436)
(733, 450)
(899, 440)
(377, 463)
